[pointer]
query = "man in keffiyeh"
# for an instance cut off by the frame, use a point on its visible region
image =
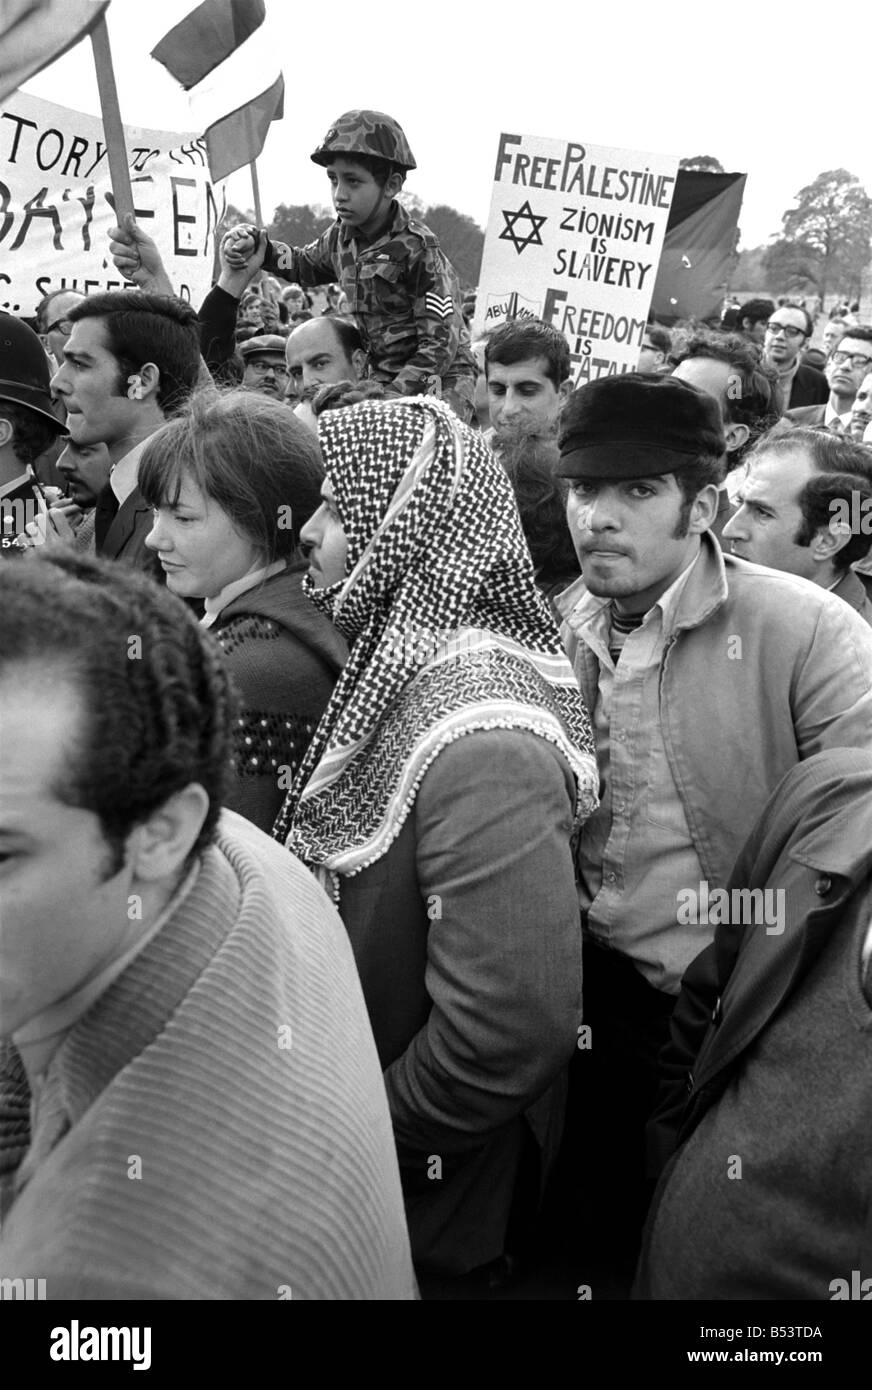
(439, 794)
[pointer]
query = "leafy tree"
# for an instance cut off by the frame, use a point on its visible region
(461, 238)
(702, 164)
(298, 224)
(825, 241)
(749, 273)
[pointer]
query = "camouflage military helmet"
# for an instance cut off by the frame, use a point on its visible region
(366, 132)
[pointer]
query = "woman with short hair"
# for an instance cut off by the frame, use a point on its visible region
(232, 480)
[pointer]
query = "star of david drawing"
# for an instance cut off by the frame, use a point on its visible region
(524, 214)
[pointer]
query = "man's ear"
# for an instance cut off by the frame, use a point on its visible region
(704, 509)
(394, 183)
(149, 377)
(564, 390)
(158, 847)
(358, 361)
(830, 539)
(5, 431)
(736, 435)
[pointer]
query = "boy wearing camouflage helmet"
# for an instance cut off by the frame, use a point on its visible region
(402, 290)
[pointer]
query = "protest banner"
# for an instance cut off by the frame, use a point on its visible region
(574, 237)
(56, 203)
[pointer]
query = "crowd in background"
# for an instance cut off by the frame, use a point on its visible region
(437, 795)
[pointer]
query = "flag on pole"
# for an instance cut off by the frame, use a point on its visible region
(33, 33)
(221, 54)
(699, 250)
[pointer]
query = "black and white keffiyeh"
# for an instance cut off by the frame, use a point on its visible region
(447, 630)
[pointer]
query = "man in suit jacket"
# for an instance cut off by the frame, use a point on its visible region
(849, 362)
(765, 1115)
(191, 1103)
(787, 331)
(130, 360)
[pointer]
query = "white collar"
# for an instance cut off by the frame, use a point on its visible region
(125, 474)
(830, 415)
(216, 605)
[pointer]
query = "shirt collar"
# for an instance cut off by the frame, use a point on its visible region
(830, 415)
(706, 592)
(596, 610)
(216, 605)
(124, 475)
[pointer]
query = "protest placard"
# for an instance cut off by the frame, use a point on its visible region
(574, 237)
(56, 204)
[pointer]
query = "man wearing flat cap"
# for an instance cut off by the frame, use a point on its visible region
(265, 367)
(707, 678)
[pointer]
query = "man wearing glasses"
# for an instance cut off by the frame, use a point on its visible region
(846, 367)
(54, 326)
(265, 367)
(787, 332)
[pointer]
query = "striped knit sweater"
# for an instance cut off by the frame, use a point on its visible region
(215, 1126)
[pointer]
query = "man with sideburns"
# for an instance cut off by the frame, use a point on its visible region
(707, 679)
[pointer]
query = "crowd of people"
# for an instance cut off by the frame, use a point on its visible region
(435, 802)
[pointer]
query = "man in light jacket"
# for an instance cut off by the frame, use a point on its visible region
(708, 678)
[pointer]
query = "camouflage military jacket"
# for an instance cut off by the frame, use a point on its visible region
(403, 295)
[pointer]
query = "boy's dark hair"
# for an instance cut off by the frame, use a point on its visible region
(541, 498)
(516, 340)
(250, 454)
(32, 434)
(144, 328)
(154, 719)
(381, 169)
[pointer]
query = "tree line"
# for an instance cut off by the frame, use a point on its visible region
(824, 244)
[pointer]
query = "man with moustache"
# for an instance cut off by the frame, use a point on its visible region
(264, 365)
(708, 678)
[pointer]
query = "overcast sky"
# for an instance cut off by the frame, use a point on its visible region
(745, 81)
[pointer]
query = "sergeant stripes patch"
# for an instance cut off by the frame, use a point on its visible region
(441, 305)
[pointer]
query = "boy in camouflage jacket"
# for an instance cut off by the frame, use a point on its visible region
(402, 290)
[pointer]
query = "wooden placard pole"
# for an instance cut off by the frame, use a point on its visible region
(113, 130)
(255, 193)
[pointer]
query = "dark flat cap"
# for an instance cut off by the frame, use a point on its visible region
(634, 426)
(263, 342)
